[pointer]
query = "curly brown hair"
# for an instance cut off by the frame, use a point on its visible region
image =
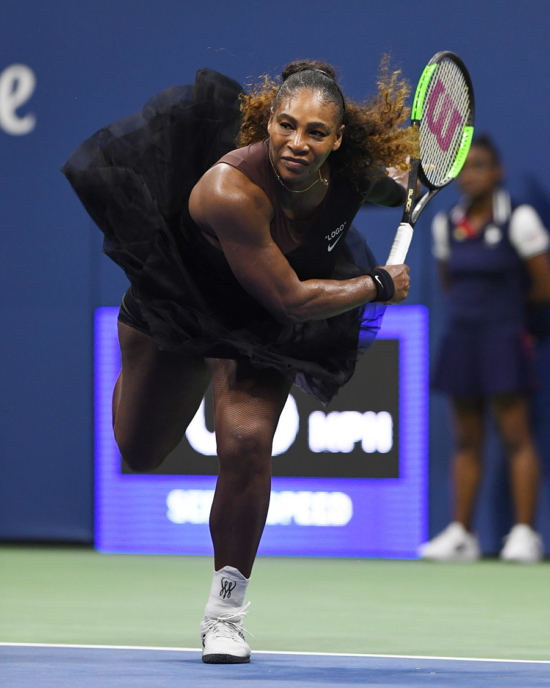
(374, 136)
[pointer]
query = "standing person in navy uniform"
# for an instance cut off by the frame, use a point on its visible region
(245, 274)
(493, 263)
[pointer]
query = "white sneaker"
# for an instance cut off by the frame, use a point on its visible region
(223, 639)
(523, 545)
(455, 543)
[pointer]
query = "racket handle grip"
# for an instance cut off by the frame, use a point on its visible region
(401, 243)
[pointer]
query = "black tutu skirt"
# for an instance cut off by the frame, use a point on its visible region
(134, 178)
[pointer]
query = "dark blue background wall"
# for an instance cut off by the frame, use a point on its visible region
(96, 61)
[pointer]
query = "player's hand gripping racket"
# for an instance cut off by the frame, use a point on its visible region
(443, 111)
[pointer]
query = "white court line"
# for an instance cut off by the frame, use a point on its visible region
(278, 652)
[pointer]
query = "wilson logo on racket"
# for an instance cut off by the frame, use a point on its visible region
(443, 115)
(437, 125)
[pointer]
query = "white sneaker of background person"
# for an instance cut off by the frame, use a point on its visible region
(222, 631)
(523, 545)
(455, 543)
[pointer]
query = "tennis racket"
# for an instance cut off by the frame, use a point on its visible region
(443, 111)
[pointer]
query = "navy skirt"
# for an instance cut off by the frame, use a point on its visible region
(484, 361)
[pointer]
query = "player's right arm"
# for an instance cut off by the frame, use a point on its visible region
(228, 204)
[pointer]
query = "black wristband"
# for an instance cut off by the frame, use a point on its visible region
(385, 288)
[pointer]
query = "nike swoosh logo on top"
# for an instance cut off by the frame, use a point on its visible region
(334, 244)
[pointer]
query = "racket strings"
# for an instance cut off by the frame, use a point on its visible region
(444, 117)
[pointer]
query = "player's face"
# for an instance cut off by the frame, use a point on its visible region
(303, 131)
(481, 174)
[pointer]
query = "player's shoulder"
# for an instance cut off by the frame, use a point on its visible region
(225, 182)
(523, 213)
(527, 232)
(225, 190)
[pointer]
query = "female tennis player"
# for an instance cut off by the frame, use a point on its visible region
(245, 274)
(493, 260)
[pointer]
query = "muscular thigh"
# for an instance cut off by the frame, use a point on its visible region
(247, 407)
(156, 397)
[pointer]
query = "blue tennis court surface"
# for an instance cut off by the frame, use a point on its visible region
(38, 666)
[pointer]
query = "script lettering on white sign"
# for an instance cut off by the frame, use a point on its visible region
(17, 84)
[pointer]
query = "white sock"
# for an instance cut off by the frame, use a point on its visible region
(227, 592)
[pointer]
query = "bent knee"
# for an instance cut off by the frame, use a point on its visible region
(139, 457)
(514, 444)
(138, 462)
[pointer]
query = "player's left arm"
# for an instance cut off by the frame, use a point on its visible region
(387, 192)
(530, 239)
(391, 190)
(402, 178)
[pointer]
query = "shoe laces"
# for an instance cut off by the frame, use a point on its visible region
(228, 625)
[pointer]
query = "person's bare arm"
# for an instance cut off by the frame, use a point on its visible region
(538, 268)
(239, 213)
